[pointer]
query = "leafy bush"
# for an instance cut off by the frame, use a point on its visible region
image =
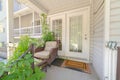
(47, 35)
(21, 70)
(37, 42)
(23, 45)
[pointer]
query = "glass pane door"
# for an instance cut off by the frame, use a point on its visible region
(75, 34)
(57, 29)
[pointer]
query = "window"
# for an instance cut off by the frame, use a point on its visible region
(0, 5)
(37, 22)
(2, 44)
(57, 29)
(1, 28)
(75, 34)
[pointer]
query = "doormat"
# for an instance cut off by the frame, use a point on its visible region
(74, 65)
(58, 62)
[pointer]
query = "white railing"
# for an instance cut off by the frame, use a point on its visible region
(37, 30)
(26, 30)
(31, 31)
(16, 32)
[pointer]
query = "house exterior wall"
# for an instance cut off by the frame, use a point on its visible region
(97, 37)
(16, 23)
(3, 34)
(3, 29)
(26, 20)
(115, 21)
(114, 33)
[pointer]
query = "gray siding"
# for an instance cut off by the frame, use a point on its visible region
(97, 37)
(115, 21)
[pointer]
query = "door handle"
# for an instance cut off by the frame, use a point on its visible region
(85, 36)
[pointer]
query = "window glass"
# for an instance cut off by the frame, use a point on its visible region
(2, 44)
(57, 29)
(1, 28)
(0, 5)
(75, 34)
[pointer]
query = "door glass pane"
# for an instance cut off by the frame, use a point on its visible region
(75, 34)
(57, 29)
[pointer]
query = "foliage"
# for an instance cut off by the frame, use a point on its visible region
(3, 68)
(45, 27)
(47, 35)
(37, 42)
(21, 70)
(23, 45)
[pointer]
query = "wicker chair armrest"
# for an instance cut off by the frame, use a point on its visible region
(44, 62)
(39, 49)
(39, 58)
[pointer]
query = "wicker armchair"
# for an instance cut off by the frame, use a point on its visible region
(47, 53)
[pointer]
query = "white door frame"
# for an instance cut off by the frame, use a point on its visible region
(86, 14)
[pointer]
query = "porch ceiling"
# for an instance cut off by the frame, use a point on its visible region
(61, 5)
(54, 6)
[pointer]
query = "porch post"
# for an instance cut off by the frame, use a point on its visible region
(33, 20)
(106, 39)
(9, 19)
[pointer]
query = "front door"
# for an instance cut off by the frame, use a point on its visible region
(72, 29)
(78, 34)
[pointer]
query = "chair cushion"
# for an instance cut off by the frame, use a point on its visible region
(50, 44)
(42, 54)
(37, 61)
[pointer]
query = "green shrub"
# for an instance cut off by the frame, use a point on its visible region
(21, 70)
(47, 35)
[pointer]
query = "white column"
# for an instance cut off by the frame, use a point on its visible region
(9, 18)
(33, 25)
(106, 39)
